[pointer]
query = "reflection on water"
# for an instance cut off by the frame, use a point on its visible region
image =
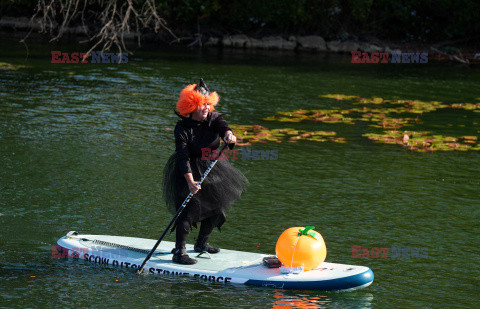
(292, 299)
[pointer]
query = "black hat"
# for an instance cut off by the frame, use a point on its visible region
(202, 88)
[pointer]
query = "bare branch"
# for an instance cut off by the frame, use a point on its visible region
(113, 21)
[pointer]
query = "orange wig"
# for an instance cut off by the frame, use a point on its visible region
(190, 99)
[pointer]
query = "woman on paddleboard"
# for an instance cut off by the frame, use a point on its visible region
(200, 128)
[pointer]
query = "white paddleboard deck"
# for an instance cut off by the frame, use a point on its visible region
(227, 266)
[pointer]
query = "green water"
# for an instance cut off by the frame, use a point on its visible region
(82, 147)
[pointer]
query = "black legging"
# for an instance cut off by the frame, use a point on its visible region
(183, 229)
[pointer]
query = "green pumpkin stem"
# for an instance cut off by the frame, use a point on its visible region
(306, 231)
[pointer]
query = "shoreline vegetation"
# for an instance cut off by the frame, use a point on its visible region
(446, 31)
(24, 27)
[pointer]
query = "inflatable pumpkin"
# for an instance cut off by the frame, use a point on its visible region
(301, 246)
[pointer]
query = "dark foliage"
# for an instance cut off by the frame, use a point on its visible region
(407, 20)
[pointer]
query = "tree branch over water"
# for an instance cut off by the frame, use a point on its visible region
(106, 22)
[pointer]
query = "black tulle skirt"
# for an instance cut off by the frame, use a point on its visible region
(220, 189)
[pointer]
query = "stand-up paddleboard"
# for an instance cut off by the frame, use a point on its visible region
(227, 266)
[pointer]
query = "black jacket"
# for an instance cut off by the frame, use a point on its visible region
(191, 136)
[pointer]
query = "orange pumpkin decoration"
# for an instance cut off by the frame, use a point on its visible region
(301, 246)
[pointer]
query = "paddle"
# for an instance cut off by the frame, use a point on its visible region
(180, 209)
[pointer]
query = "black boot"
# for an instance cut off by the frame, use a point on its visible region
(201, 245)
(180, 256)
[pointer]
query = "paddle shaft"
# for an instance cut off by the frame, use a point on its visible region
(181, 208)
